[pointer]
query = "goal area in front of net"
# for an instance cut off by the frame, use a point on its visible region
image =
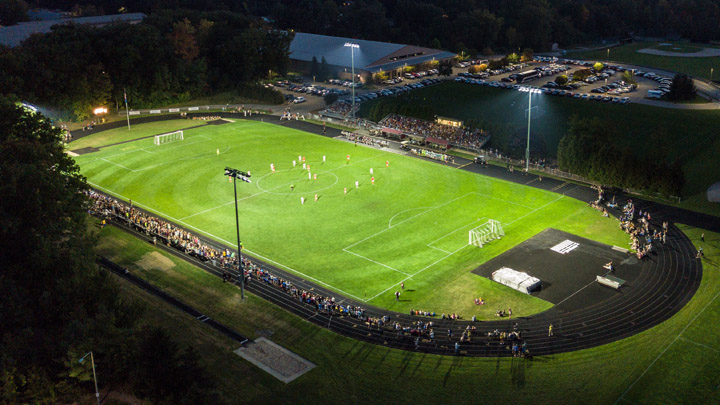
(485, 233)
(169, 137)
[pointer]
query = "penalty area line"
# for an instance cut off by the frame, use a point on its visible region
(227, 242)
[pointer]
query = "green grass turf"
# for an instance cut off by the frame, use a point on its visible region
(411, 226)
(649, 131)
(694, 66)
(123, 134)
(665, 364)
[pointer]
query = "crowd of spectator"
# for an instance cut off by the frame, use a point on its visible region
(206, 117)
(339, 108)
(363, 139)
(469, 138)
(419, 330)
(635, 222)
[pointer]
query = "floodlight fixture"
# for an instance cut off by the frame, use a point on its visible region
(100, 110)
(352, 45)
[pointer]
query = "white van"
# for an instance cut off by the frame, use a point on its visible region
(655, 94)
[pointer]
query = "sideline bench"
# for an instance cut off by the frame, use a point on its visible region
(610, 281)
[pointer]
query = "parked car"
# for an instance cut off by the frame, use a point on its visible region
(298, 100)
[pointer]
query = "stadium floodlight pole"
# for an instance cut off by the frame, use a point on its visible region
(352, 47)
(237, 174)
(127, 112)
(527, 150)
(92, 361)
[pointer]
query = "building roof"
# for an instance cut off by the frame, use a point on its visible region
(371, 56)
(13, 35)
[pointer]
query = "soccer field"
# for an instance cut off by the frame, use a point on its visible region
(410, 226)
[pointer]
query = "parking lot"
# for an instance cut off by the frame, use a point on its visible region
(605, 86)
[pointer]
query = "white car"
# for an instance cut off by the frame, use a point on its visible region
(298, 100)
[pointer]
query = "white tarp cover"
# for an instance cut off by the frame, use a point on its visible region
(520, 281)
(713, 193)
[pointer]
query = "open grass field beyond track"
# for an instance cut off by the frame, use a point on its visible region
(694, 66)
(411, 226)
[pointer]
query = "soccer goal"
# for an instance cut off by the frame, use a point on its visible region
(169, 137)
(486, 232)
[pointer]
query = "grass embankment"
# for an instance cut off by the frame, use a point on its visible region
(122, 134)
(693, 66)
(650, 132)
(675, 362)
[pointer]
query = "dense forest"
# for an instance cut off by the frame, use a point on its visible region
(480, 25)
(172, 56)
(204, 46)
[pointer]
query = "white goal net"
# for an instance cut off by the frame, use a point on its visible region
(486, 232)
(169, 137)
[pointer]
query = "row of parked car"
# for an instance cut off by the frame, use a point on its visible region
(617, 87)
(345, 83)
(421, 74)
(663, 87)
(545, 90)
(391, 91)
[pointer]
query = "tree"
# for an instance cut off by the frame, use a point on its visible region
(435, 44)
(527, 55)
(682, 88)
(324, 73)
(445, 68)
(474, 69)
(495, 64)
(380, 77)
(182, 39)
(629, 77)
(561, 80)
(13, 12)
(55, 300)
(581, 74)
(512, 57)
(314, 67)
(598, 66)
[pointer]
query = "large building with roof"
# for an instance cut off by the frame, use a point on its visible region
(13, 35)
(370, 57)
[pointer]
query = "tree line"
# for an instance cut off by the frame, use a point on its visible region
(57, 305)
(172, 56)
(588, 149)
(474, 26)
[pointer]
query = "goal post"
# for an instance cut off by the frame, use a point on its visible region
(485, 233)
(169, 137)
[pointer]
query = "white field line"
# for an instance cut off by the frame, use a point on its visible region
(667, 347)
(263, 191)
(416, 273)
(390, 225)
(376, 262)
(700, 344)
(228, 242)
(119, 165)
(437, 248)
(402, 222)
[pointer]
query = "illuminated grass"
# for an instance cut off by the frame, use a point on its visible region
(411, 226)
